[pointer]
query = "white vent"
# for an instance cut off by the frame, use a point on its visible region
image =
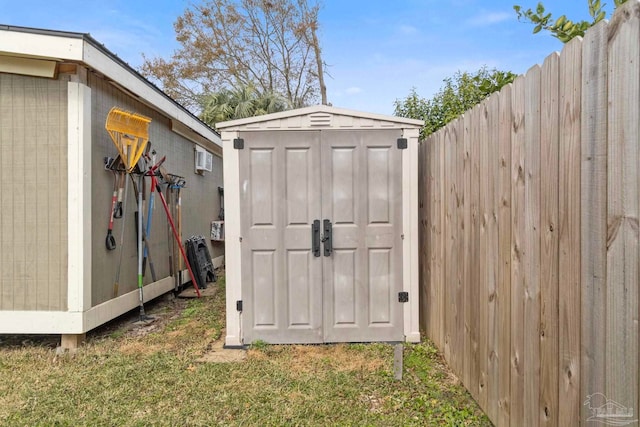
(320, 120)
(204, 160)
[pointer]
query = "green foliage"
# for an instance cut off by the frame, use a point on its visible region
(240, 103)
(459, 93)
(259, 345)
(563, 28)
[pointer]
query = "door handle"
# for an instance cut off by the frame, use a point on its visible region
(328, 238)
(315, 238)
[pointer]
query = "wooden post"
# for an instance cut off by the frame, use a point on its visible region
(397, 361)
(71, 341)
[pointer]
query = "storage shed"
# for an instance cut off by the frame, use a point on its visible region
(56, 89)
(321, 227)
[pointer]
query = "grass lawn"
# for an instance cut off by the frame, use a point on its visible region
(126, 376)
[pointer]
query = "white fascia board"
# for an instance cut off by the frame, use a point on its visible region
(100, 61)
(41, 45)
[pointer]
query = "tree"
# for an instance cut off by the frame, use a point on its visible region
(224, 44)
(459, 93)
(563, 28)
(239, 103)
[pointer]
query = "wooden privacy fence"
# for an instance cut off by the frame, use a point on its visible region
(529, 237)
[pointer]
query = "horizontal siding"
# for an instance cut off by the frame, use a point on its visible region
(33, 200)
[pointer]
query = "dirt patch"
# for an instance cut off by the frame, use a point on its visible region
(316, 358)
(219, 354)
(161, 311)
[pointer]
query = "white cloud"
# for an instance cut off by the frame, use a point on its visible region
(408, 30)
(485, 19)
(354, 90)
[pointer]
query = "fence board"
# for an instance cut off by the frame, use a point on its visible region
(438, 270)
(467, 135)
(504, 251)
(450, 241)
(483, 253)
(622, 210)
(531, 250)
(432, 245)
(594, 213)
(424, 203)
(569, 232)
(493, 263)
(474, 262)
(517, 242)
(458, 254)
(549, 357)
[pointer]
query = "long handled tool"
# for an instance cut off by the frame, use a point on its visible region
(149, 217)
(154, 182)
(116, 283)
(110, 240)
(130, 134)
(145, 239)
(143, 316)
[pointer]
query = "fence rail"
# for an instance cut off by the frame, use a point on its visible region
(530, 238)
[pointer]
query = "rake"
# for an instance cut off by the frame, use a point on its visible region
(130, 134)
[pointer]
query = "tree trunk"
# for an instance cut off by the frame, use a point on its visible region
(320, 64)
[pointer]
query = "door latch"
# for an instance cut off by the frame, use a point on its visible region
(327, 239)
(315, 238)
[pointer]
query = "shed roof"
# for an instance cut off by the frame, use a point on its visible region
(23, 48)
(319, 117)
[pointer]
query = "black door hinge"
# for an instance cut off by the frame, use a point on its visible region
(403, 296)
(239, 305)
(402, 143)
(238, 143)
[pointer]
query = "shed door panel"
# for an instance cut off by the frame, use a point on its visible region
(362, 196)
(280, 184)
(288, 180)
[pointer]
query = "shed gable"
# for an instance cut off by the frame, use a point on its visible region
(318, 117)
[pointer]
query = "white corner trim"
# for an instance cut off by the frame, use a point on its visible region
(411, 228)
(232, 245)
(79, 197)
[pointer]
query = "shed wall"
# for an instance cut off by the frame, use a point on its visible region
(33, 198)
(200, 201)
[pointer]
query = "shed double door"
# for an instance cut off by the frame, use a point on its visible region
(344, 293)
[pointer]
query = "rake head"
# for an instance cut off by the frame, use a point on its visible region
(130, 134)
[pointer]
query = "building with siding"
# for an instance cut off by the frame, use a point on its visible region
(57, 277)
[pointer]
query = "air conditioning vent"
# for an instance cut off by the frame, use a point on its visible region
(204, 160)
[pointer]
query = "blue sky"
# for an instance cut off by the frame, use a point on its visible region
(377, 50)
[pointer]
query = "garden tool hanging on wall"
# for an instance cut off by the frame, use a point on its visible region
(130, 134)
(153, 172)
(113, 165)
